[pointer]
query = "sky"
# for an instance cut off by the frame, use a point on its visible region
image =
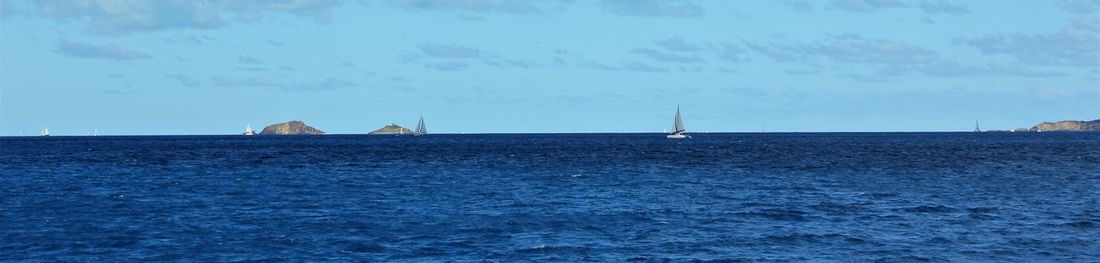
(159, 67)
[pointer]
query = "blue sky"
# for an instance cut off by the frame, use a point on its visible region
(210, 67)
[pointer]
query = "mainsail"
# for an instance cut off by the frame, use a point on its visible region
(678, 127)
(420, 129)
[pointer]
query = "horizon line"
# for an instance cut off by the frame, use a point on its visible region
(511, 133)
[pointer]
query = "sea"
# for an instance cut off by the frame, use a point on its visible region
(721, 197)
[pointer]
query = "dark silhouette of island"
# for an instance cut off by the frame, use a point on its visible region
(294, 127)
(1067, 126)
(392, 129)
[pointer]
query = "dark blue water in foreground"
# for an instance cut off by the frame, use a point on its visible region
(892, 197)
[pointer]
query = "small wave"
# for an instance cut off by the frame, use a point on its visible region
(364, 248)
(550, 249)
(929, 209)
(939, 240)
(795, 238)
(906, 259)
(777, 214)
(1081, 224)
(983, 209)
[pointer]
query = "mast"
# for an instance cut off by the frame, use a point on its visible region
(976, 127)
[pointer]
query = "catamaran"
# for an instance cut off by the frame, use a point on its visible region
(420, 129)
(248, 130)
(678, 131)
(46, 132)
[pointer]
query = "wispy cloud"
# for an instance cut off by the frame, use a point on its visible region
(85, 50)
(642, 67)
(1074, 45)
(239, 82)
(855, 49)
(944, 8)
(449, 51)
(447, 66)
(866, 5)
(666, 56)
(184, 80)
(248, 60)
(110, 17)
(678, 44)
(1080, 6)
(775, 52)
(628, 66)
(731, 52)
(799, 5)
(501, 6)
(264, 82)
(655, 8)
(887, 58)
(325, 84)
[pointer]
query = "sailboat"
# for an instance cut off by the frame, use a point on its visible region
(420, 128)
(678, 131)
(976, 127)
(248, 130)
(46, 132)
(95, 131)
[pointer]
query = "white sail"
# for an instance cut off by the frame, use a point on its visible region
(46, 132)
(248, 130)
(420, 128)
(678, 127)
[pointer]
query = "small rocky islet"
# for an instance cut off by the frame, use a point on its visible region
(392, 129)
(294, 127)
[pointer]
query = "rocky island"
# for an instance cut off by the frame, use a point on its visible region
(392, 129)
(291, 128)
(1068, 126)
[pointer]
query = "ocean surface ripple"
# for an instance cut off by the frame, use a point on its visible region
(892, 197)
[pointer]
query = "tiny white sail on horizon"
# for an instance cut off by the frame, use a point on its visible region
(420, 128)
(678, 131)
(248, 130)
(45, 132)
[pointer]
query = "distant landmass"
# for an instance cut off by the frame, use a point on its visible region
(392, 129)
(1067, 126)
(291, 128)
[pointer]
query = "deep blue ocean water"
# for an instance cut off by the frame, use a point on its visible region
(893, 197)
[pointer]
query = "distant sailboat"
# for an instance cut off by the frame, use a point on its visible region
(678, 131)
(46, 132)
(420, 128)
(95, 132)
(248, 130)
(976, 127)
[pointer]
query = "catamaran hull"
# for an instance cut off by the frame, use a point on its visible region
(678, 136)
